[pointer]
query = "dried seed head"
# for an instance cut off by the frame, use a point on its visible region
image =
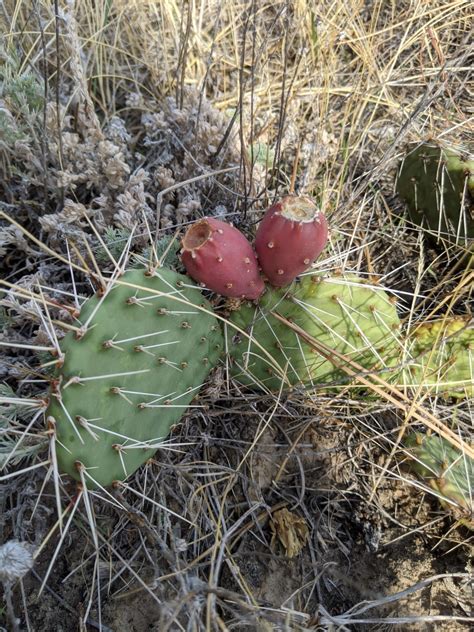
(16, 559)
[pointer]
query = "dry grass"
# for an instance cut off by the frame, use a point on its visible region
(142, 116)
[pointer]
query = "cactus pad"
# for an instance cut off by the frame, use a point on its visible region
(130, 377)
(443, 357)
(448, 472)
(438, 186)
(354, 318)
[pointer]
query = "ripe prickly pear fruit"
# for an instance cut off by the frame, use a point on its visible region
(290, 237)
(218, 256)
(446, 470)
(437, 183)
(129, 373)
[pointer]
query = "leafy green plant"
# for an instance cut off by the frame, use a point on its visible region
(22, 95)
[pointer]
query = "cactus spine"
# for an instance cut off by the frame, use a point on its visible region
(438, 185)
(128, 376)
(354, 319)
(445, 470)
(441, 357)
(345, 314)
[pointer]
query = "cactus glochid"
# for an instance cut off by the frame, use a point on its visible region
(446, 470)
(128, 377)
(438, 185)
(290, 237)
(345, 314)
(219, 256)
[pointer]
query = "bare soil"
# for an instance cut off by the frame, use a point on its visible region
(355, 554)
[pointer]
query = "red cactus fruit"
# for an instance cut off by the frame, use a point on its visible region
(290, 237)
(219, 256)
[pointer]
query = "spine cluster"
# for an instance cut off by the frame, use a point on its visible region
(143, 349)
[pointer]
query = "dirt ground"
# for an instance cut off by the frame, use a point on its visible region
(355, 553)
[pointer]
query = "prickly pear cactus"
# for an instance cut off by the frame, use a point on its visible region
(129, 376)
(221, 258)
(442, 357)
(438, 185)
(448, 472)
(291, 236)
(344, 313)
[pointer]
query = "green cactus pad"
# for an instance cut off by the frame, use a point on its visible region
(356, 319)
(443, 357)
(438, 185)
(446, 470)
(132, 375)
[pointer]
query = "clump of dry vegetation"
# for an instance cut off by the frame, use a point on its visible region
(121, 123)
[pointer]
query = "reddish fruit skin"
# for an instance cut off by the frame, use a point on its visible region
(292, 234)
(219, 256)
